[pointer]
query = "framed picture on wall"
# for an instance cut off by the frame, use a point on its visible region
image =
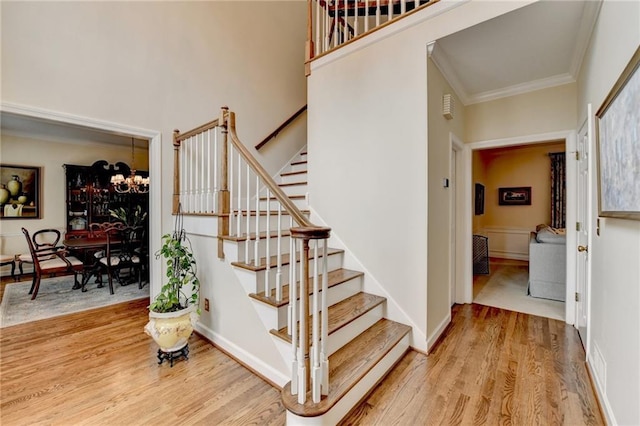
(618, 146)
(479, 199)
(20, 193)
(520, 196)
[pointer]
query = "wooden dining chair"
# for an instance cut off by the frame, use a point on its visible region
(42, 239)
(50, 259)
(123, 254)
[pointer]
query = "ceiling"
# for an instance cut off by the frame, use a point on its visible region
(538, 46)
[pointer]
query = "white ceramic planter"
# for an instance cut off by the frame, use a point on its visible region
(171, 330)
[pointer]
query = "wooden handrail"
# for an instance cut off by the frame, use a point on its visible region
(280, 127)
(207, 126)
(294, 211)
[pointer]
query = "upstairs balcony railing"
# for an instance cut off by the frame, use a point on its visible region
(216, 175)
(332, 23)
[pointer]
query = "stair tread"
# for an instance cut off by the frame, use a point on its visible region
(303, 153)
(343, 312)
(346, 370)
(296, 163)
(334, 278)
(293, 197)
(300, 172)
(272, 212)
(252, 236)
(292, 183)
(274, 261)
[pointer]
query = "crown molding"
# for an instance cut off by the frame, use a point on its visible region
(587, 24)
(519, 89)
(442, 62)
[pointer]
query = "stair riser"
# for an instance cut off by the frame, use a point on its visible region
(301, 204)
(262, 247)
(357, 393)
(334, 262)
(335, 294)
(293, 178)
(295, 189)
(344, 335)
(298, 167)
(285, 223)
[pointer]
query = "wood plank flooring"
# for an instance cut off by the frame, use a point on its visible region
(97, 367)
(492, 367)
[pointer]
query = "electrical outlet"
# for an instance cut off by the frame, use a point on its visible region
(206, 305)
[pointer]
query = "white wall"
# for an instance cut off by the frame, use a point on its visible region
(368, 147)
(438, 199)
(160, 66)
(615, 292)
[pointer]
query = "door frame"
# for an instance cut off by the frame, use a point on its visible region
(570, 138)
(456, 209)
(155, 165)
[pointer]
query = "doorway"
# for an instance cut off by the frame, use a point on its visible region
(569, 139)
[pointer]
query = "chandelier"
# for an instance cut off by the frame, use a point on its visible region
(132, 183)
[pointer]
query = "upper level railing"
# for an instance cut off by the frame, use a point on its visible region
(332, 23)
(215, 174)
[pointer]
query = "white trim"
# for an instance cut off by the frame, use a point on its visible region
(155, 166)
(243, 356)
(438, 332)
(569, 136)
(587, 24)
(518, 89)
(457, 262)
(601, 395)
(389, 30)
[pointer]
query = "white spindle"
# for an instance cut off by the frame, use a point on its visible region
(304, 298)
(389, 9)
(377, 13)
(324, 359)
(315, 371)
(279, 256)
(345, 23)
(267, 284)
(192, 193)
(247, 259)
(181, 174)
(355, 21)
(335, 24)
(239, 199)
(293, 315)
(318, 16)
(256, 244)
(403, 6)
(366, 16)
(232, 214)
(200, 161)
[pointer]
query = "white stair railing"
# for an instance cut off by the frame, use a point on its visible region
(215, 174)
(339, 21)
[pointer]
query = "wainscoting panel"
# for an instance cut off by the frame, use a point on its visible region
(508, 243)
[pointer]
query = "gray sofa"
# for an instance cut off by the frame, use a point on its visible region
(547, 265)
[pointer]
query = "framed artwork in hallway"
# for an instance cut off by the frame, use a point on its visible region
(520, 196)
(618, 146)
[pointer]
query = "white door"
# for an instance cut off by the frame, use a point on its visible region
(583, 218)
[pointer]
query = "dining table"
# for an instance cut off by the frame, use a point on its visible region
(84, 248)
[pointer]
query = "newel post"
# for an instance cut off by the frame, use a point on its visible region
(176, 171)
(226, 119)
(304, 367)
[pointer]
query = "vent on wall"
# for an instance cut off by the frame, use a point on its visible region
(447, 106)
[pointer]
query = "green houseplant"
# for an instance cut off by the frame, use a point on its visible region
(173, 312)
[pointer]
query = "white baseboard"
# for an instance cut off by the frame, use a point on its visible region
(601, 394)
(508, 255)
(438, 332)
(243, 356)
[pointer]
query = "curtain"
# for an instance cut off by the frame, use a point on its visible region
(558, 185)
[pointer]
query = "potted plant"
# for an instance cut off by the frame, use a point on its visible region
(174, 312)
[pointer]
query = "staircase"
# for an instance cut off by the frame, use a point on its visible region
(362, 344)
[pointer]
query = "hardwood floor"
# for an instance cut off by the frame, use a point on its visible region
(492, 367)
(97, 367)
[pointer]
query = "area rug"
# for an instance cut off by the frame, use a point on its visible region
(507, 289)
(56, 298)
